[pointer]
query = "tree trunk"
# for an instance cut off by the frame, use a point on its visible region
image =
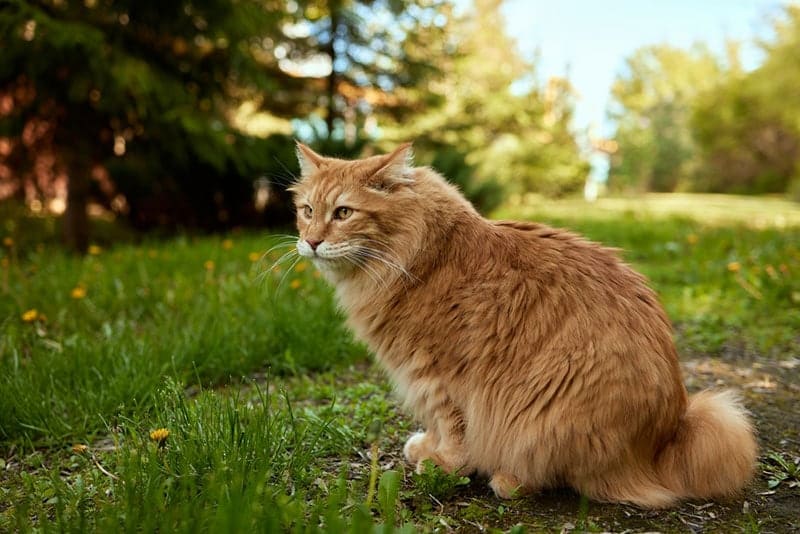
(76, 218)
(332, 78)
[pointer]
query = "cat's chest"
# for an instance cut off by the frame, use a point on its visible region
(429, 320)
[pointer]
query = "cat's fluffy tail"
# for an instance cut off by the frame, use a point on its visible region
(714, 452)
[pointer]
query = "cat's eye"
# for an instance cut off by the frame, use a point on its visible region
(342, 213)
(307, 211)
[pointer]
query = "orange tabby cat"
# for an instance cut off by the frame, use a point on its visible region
(529, 354)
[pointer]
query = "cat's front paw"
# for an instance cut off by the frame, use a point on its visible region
(418, 448)
(507, 486)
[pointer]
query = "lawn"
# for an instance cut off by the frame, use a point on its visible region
(204, 384)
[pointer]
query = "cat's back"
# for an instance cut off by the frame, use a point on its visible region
(574, 271)
(537, 247)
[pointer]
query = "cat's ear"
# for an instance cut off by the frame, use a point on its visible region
(394, 169)
(309, 160)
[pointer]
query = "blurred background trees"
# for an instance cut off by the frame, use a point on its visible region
(181, 114)
(690, 121)
(512, 131)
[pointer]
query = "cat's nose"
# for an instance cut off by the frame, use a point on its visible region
(313, 244)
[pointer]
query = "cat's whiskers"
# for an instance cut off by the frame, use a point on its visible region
(386, 278)
(385, 258)
(289, 270)
(284, 242)
(285, 257)
(361, 263)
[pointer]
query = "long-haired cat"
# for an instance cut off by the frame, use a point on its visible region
(530, 355)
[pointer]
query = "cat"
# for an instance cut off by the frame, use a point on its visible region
(530, 355)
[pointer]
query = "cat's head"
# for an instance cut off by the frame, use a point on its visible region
(355, 215)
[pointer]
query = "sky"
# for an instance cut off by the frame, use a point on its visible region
(589, 39)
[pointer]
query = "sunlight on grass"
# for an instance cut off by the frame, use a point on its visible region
(101, 436)
(708, 209)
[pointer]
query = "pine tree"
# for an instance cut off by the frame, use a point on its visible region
(377, 56)
(127, 101)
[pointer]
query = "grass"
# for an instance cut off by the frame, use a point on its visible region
(109, 327)
(277, 422)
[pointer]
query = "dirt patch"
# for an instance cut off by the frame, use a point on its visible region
(771, 390)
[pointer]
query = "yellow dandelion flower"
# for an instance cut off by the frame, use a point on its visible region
(254, 256)
(95, 250)
(152, 253)
(302, 266)
(734, 267)
(295, 284)
(7, 241)
(692, 239)
(79, 448)
(209, 265)
(227, 244)
(78, 292)
(30, 315)
(159, 435)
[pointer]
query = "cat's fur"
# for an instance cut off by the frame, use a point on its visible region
(529, 354)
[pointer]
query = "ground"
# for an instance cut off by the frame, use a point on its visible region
(772, 394)
(208, 384)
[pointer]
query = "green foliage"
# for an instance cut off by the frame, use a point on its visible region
(652, 105)
(747, 129)
(687, 120)
(380, 54)
(436, 482)
(228, 464)
(389, 494)
(779, 470)
(513, 129)
(107, 369)
(134, 101)
(197, 311)
(485, 195)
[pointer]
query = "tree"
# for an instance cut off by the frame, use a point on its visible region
(373, 55)
(748, 128)
(652, 106)
(127, 102)
(509, 127)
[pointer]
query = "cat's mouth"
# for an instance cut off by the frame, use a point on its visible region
(329, 253)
